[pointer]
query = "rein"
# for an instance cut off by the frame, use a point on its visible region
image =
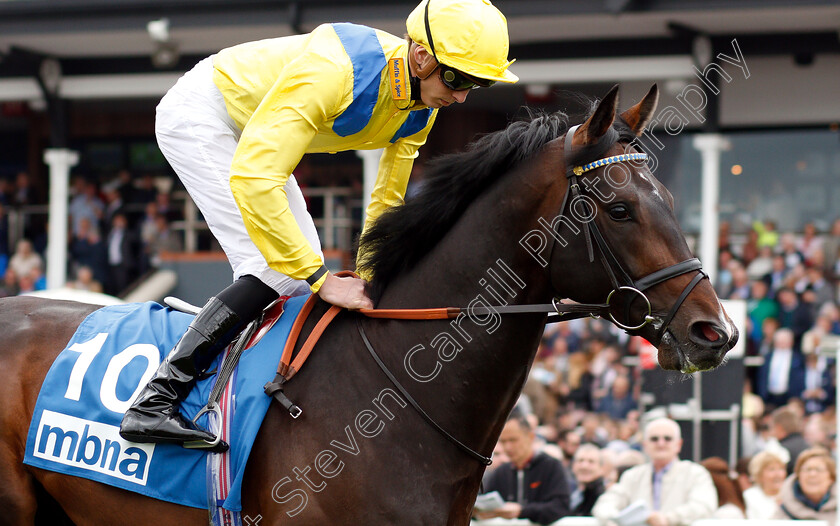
(578, 161)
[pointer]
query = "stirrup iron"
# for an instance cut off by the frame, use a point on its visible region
(211, 407)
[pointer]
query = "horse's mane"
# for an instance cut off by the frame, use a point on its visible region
(402, 235)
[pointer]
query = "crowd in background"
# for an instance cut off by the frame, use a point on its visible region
(117, 230)
(584, 386)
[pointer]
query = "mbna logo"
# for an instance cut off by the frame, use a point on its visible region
(91, 446)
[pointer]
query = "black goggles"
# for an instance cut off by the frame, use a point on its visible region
(457, 81)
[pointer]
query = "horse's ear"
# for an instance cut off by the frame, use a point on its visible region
(639, 115)
(600, 121)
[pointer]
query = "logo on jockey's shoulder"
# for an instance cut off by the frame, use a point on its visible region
(396, 69)
(91, 446)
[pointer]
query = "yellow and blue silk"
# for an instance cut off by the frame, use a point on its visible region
(323, 92)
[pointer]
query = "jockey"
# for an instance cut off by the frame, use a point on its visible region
(235, 127)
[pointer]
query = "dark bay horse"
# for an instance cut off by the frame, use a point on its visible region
(494, 225)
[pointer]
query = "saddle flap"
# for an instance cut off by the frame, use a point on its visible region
(270, 317)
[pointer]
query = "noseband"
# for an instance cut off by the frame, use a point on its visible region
(579, 161)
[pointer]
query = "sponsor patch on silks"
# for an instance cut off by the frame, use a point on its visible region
(114, 352)
(399, 82)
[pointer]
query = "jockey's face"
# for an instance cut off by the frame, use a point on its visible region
(433, 92)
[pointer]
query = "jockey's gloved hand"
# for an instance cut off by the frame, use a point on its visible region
(347, 292)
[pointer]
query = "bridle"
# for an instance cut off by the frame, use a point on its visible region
(578, 161)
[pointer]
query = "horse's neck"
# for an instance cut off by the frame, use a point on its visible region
(480, 262)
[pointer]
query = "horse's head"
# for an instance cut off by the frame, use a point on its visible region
(636, 251)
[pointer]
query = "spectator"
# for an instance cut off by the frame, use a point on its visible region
(793, 314)
(588, 467)
(759, 308)
(627, 459)
(85, 281)
(163, 240)
(9, 287)
(499, 458)
(88, 249)
(811, 492)
(619, 401)
(743, 473)
(768, 330)
(124, 185)
(120, 255)
(677, 492)
(25, 259)
(782, 375)
(730, 499)
(740, 282)
(762, 265)
(591, 431)
(768, 472)
(814, 336)
(767, 234)
(145, 191)
(788, 249)
(787, 428)
(724, 243)
(114, 204)
(27, 283)
(85, 206)
(5, 192)
(810, 245)
(165, 207)
(815, 282)
(819, 391)
(569, 441)
(533, 484)
(750, 249)
(831, 250)
(777, 276)
(579, 380)
(24, 195)
(723, 284)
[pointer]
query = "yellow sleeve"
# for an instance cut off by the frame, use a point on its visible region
(394, 171)
(392, 179)
(309, 91)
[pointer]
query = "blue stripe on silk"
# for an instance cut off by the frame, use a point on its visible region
(413, 124)
(368, 60)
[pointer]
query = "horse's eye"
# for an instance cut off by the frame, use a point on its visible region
(619, 213)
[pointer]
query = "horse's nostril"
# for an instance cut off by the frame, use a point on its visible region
(708, 333)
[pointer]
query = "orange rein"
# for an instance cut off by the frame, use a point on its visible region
(288, 370)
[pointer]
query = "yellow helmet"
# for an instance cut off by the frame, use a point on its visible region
(468, 35)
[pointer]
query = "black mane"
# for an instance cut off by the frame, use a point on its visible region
(402, 235)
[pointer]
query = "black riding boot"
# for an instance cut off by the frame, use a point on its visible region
(154, 416)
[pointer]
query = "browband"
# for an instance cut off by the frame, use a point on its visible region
(581, 155)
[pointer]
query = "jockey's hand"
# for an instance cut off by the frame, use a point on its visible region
(347, 292)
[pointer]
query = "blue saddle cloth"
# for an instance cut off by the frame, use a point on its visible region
(75, 425)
